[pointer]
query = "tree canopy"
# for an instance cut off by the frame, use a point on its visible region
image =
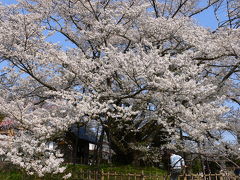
(142, 69)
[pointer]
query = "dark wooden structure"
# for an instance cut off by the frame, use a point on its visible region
(76, 145)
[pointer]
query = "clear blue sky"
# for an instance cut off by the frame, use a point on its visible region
(7, 1)
(207, 19)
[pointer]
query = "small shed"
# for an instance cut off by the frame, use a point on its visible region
(76, 147)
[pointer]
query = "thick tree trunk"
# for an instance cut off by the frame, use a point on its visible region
(124, 154)
(127, 158)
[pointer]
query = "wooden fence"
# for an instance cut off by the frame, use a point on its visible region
(209, 177)
(101, 175)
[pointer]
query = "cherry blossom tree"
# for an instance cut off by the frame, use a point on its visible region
(142, 69)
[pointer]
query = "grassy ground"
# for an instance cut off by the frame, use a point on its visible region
(14, 174)
(120, 169)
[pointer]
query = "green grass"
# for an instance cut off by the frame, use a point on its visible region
(120, 169)
(14, 174)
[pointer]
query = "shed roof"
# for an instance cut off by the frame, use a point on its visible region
(84, 133)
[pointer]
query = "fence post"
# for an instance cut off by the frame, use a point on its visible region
(94, 175)
(185, 177)
(221, 177)
(80, 173)
(142, 175)
(102, 175)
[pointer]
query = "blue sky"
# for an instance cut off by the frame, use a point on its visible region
(207, 19)
(7, 1)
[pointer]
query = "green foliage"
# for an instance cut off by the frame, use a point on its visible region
(196, 167)
(10, 175)
(1, 117)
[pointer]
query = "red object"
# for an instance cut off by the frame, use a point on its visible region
(7, 123)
